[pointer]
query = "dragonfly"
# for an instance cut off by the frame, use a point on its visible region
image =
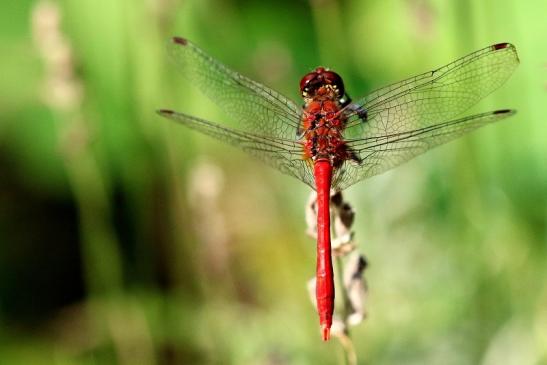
(329, 141)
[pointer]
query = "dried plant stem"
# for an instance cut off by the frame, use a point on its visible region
(64, 95)
(124, 323)
(350, 356)
(342, 292)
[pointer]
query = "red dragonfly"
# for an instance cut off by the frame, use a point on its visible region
(333, 142)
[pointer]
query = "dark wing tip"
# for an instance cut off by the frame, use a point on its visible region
(505, 111)
(505, 45)
(165, 112)
(180, 40)
(499, 46)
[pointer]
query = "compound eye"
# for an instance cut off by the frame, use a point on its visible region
(335, 80)
(306, 80)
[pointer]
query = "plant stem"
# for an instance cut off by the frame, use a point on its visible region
(350, 356)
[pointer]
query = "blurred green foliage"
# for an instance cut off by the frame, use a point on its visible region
(125, 239)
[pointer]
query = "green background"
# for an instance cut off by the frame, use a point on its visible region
(127, 239)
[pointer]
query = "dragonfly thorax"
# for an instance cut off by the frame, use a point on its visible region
(323, 124)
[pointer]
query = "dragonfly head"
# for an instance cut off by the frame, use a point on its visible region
(322, 81)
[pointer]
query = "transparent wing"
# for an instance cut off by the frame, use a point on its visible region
(429, 100)
(283, 154)
(436, 95)
(383, 152)
(254, 107)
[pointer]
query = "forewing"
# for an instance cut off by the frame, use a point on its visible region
(383, 152)
(434, 96)
(254, 107)
(283, 154)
